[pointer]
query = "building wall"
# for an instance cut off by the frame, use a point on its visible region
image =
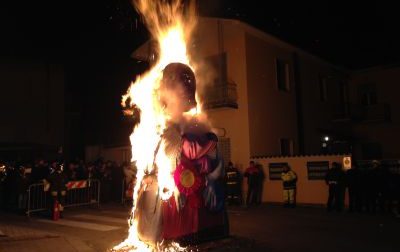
(384, 133)
(213, 37)
(308, 191)
(32, 102)
(265, 114)
(272, 113)
(317, 116)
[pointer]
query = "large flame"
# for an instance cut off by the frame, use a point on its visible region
(170, 23)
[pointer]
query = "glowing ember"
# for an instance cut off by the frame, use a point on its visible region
(170, 23)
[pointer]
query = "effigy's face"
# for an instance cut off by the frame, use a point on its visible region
(178, 88)
(176, 102)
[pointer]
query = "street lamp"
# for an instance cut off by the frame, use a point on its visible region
(324, 144)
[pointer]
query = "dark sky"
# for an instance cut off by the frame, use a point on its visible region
(355, 35)
(94, 39)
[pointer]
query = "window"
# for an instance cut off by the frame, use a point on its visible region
(368, 95)
(323, 88)
(283, 75)
(286, 147)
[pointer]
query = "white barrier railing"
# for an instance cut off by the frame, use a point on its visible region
(79, 193)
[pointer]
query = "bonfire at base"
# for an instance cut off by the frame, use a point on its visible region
(178, 196)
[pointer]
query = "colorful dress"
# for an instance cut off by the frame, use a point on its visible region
(198, 212)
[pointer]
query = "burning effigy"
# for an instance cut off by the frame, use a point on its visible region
(178, 197)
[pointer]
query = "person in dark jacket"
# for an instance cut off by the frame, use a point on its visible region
(40, 171)
(252, 175)
(377, 181)
(396, 193)
(71, 172)
(22, 184)
(106, 182)
(3, 175)
(371, 190)
(335, 179)
(58, 189)
(233, 184)
(10, 187)
(382, 179)
(353, 182)
(260, 183)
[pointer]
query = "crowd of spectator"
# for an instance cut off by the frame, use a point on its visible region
(15, 179)
(373, 190)
(369, 190)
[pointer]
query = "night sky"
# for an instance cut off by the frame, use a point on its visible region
(94, 39)
(352, 35)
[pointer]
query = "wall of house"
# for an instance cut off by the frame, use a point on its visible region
(265, 114)
(383, 133)
(272, 112)
(308, 191)
(318, 116)
(215, 37)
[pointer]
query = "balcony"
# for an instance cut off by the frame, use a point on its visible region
(359, 113)
(221, 96)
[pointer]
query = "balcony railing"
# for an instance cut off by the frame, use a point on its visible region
(221, 96)
(359, 113)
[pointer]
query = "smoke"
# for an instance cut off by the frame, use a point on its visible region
(206, 75)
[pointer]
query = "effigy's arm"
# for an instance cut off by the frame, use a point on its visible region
(219, 171)
(213, 193)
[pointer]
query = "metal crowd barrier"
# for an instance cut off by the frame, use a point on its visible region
(38, 198)
(79, 193)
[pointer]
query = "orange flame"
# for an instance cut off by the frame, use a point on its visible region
(171, 24)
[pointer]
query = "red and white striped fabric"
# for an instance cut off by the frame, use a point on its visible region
(76, 184)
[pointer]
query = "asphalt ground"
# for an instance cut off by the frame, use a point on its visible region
(259, 228)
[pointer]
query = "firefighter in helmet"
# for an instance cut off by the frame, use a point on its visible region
(58, 180)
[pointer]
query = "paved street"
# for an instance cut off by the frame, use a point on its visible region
(264, 228)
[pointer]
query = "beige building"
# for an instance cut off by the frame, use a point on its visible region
(274, 103)
(265, 96)
(268, 98)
